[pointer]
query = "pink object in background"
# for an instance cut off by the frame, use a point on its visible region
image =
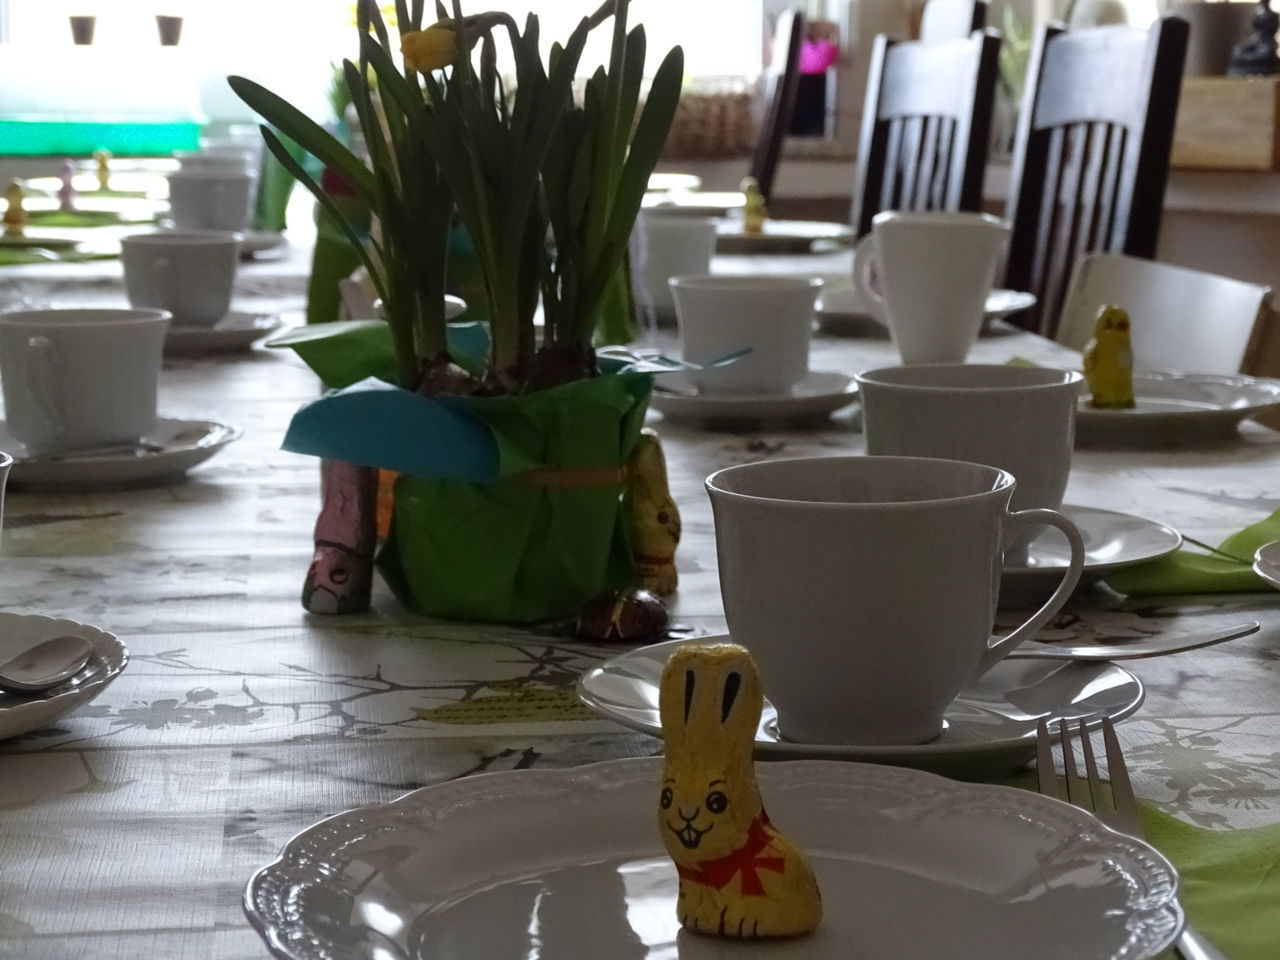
(818, 56)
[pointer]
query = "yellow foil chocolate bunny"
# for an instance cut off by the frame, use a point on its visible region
(653, 522)
(1108, 361)
(739, 877)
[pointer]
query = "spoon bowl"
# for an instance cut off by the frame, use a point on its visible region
(45, 665)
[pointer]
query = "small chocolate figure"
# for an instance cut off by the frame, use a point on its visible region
(1255, 56)
(624, 616)
(15, 215)
(739, 877)
(67, 192)
(754, 213)
(653, 521)
(103, 159)
(340, 579)
(1108, 361)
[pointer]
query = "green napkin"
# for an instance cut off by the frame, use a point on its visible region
(1230, 879)
(1189, 572)
(1230, 882)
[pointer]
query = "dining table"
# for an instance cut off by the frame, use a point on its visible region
(130, 828)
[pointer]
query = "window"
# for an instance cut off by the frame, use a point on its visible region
(290, 44)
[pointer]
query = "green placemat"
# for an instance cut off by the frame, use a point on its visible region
(31, 255)
(81, 218)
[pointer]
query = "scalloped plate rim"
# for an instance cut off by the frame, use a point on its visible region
(601, 776)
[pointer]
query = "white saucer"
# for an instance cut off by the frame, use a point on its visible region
(569, 864)
(170, 450)
(236, 331)
(991, 727)
(1111, 540)
(841, 312)
(821, 393)
(780, 236)
(1266, 563)
(1178, 409)
(259, 241)
(21, 714)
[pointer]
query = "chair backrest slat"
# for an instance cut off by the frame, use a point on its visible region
(781, 83)
(1091, 157)
(926, 126)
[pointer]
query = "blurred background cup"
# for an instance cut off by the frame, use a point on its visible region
(933, 272)
(189, 274)
(211, 198)
(76, 379)
(227, 158)
(773, 316)
(665, 246)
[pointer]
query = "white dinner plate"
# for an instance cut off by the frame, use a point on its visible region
(167, 452)
(991, 727)
(1112, 540)
(24, 713)
(841, 312)
(819, 394)
(699, 203)
(780, 236)
(236, 331)
(568, 865)
(1177, 409)
(664, 182)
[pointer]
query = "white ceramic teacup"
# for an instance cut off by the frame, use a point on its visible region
(211, 199)
(665, 246)
(866, 587)
(229, 158)
(773, 316)
(189, 274)
(1020, 419)
(75, 379)
(932, 272)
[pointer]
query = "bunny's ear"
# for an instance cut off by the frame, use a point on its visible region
(710, 697)
(648, 465)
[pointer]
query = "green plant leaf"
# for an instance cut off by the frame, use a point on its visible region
(281, 153)
(308, 134)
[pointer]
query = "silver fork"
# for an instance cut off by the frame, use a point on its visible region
(1116, 808)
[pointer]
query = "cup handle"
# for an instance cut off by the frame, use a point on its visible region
(42, 374)
(997, 649)
(863, 264)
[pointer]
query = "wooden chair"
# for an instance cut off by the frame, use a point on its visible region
(926, 126)
(781, 82)
(1091, 155)
(951, 19)
(1183, 319)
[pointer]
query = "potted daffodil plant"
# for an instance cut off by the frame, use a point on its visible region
(512, 444)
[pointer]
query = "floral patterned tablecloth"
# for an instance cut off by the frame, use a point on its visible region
(130, 828)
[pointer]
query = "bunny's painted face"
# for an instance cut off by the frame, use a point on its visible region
(689, 817)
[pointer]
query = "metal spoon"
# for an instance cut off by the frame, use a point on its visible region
(1131, 650)
(45, 665)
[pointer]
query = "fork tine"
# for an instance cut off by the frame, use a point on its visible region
(1130, 821)
(1046, 776)
(1091, 770)
(1075, 786)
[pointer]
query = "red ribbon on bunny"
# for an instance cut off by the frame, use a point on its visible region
(746, 860)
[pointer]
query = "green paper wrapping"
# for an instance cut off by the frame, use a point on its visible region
(544, 538)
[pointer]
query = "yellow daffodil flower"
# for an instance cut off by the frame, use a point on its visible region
(430, 49)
